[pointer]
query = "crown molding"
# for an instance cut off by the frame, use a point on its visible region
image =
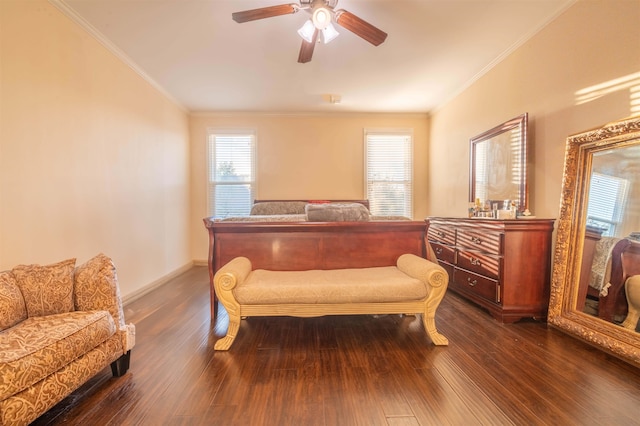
(115, 50)
(515, 46)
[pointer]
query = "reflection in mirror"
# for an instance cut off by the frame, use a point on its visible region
(498, 175)
(595, 291)
(612, 225)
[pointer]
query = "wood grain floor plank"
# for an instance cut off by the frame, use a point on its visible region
(482, 408)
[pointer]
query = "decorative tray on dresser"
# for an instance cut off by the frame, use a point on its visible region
(502, 265)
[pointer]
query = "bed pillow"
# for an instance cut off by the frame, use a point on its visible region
(277, 207)
(337, 212)
(47, 289)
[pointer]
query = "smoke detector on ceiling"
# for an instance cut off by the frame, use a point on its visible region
(332, 99)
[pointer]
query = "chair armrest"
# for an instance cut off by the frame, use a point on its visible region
(128, 336)
(96, 288)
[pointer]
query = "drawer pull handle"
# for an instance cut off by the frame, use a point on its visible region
(472, 283)
(476, 240)
(438, 250)
(475, 261)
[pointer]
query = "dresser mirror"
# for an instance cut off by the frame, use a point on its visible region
(498, 165)
(596, 277)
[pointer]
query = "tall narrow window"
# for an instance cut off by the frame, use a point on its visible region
(389, 172)
(231, 186)
(607, 199)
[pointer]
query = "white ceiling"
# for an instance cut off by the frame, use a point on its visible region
(195, 52)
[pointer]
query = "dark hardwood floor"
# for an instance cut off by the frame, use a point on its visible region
(350, 370)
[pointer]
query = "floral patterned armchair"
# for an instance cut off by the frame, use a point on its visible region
(59, 326)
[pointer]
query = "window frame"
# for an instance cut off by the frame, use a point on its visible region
(607, 201)
(212, 133)
(408, 183)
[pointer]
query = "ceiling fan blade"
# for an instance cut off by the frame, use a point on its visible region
(264, 12)
(360, 27)
(306, 50)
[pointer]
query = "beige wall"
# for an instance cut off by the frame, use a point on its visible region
(592, 43)
(304, 157)
(92, 158)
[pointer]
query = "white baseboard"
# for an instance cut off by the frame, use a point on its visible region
(157, 283)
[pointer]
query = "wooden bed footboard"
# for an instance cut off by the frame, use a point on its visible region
(299, 246)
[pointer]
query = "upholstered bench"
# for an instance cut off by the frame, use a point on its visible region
(415, 285)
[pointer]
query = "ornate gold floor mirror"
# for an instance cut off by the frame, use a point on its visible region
(593, 159)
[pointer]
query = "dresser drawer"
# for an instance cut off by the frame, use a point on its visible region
(442, 234)
(444, 252)
(479, 262)
(449, 268)
(480, 286)
(480, 239)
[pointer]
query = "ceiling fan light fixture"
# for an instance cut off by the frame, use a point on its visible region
(307, 30)
(321, 17)
(329, 33)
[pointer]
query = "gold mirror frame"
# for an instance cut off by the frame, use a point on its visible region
(570, 237)
(502, 173)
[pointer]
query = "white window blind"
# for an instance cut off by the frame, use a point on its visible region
(607, 198)
(481, 171)
(389, 172)
(231, 166)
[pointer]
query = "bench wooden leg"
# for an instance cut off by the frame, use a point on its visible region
(438, 289)
(233, 311)
(226, 342)
(430, 326)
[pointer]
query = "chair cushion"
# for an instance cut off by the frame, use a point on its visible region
(12, 307)
(47, 289)
(40, 346)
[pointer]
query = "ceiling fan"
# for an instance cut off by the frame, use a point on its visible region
(323, 13)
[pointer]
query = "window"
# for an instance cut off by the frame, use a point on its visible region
(504, 149)
(231, 167)
(607, 198)
(389, 172)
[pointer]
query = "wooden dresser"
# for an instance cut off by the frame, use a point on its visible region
(502, 265)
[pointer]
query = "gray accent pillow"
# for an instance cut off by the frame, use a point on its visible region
(337, 212)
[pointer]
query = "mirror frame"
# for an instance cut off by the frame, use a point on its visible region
(570, 236)
(519, 123)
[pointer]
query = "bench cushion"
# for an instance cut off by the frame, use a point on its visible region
(366, 285)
